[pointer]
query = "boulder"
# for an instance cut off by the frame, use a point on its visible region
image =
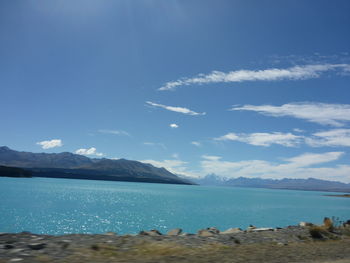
(208, 232)
(175, 232)
(250, 228)
(232, 231)
(152, 232)
(36, 246)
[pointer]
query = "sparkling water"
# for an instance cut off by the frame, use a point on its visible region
(62, 206)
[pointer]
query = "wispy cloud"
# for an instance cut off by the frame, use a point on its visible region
(174, 126)
(175, 109)
(333, 138)
(162, 145)
(50, 144)
(330, 138)
(114, 132)
(271, 74)
(321, 113)
(301, 166)
(89, 151)
(195, 143)
(263, 138)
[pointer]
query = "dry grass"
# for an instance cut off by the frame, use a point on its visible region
(171, 252)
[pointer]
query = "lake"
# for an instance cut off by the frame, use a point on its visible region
(60, 206)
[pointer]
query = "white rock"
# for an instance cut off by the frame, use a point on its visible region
(232, 231)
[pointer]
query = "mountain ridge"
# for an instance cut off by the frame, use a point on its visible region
(70, 165)
(309, 184)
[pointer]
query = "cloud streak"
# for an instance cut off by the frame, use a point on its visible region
(175, 109)
(114, 132)
(321, 113)
(271, 74)
(50, 144)
(263, 139)
(331, 138)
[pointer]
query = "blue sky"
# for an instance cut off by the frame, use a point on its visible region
(236, 88)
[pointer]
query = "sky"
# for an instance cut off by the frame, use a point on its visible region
(232, 87)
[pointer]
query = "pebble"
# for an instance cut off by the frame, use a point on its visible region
(15, 259)
(16, 250)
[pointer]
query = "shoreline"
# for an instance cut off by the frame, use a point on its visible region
(344, 195)
(303, 243)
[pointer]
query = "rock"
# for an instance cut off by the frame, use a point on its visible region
(36, 246)
(175, 232)
(205, 233)
(282, 244)
(305, 224)
(260, 229)
(110, 234)
(250, 228)
(232, 231)
(16, 250)
(66, 241)
(8, 246)
(152, 232)
(15, 259)
(214, 230)
(211, 231)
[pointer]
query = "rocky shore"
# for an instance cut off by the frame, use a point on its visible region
(303, 243)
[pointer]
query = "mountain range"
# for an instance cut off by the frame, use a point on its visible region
(74, 166)
(309, 184)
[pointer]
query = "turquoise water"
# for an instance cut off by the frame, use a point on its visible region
(59, 206)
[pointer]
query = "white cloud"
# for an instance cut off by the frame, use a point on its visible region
(272, 74)
(115, 132)
(322, 113)
(263, 138)
(50, 144)
(90, 151)
(195, 143)
(174, 125)
(175, 109)
(308, 159)
(336, 137)
(301, 166)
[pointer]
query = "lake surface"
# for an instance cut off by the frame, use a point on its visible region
(60, 206)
